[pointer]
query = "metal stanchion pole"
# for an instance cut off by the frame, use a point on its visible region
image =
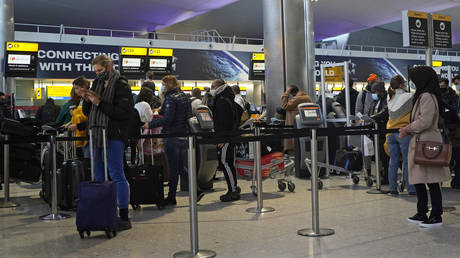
(258, 170)
(315, 231)
(194, 251)
(378, 189)
(6, 177)
(54, 215)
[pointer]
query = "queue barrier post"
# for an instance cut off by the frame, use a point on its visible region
(258, 170)
(378, 188)
(6, 177)
(54, 215)
(315, 231)
(194, 250)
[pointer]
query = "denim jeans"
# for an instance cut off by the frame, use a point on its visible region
(115, 152)
(398, 147)
(176, 157)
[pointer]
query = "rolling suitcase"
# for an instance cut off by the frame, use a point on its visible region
(145, 182)
(69, 177)
(97, 201)
(349, 158)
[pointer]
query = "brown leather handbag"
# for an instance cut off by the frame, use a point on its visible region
(432, 154)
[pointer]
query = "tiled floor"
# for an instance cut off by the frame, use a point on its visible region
(366, 226)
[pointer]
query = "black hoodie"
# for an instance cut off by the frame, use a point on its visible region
(225, 111)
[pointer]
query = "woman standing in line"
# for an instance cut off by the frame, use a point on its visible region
(424, 124)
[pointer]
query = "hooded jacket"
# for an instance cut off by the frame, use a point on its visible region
(224, 110)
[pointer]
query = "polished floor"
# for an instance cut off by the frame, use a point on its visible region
(366, 225)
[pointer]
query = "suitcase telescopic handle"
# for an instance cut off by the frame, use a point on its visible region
(92, 149)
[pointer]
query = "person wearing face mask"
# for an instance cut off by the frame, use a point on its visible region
(399, 109)
(175, 112)
(109, 104)
(290, 99)
(364, 99)
(453, 131)
(378, 112)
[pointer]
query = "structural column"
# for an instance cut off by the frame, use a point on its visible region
(285, 45)
(6, 34)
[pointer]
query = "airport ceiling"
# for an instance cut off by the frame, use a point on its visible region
(229, 17)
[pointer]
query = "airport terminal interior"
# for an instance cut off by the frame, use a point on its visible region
(230, 128)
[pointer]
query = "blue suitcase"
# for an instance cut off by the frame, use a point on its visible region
(97, 203)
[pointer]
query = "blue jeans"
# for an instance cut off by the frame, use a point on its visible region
(176, 157)
(398, 147)
(115, 151)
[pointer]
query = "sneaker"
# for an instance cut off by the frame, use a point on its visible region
(230, 196)
(393, 193)
(433, 221)
(418, 218)
(169, 201)
(123, 225)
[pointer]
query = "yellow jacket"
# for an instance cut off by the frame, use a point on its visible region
(398, 123)
(77, 118)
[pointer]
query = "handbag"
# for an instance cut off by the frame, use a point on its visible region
(430, 153)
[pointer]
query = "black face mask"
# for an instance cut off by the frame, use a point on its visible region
(443, 90)
(102, 76)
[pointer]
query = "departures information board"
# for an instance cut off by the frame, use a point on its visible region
(415, 29)
(160, 61)
(257, 67)
(21, 59)
(133, 61)
(442, 31)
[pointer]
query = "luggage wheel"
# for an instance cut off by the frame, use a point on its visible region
(135, 206)
(254, 190)
(82, 235)
(320, 185)
(110, 234)
(369, 181)
(355, 179)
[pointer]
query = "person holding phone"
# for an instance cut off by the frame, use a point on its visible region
(108, 104)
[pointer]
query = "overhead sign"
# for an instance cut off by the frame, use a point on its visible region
(442, 31)
(415, 29)
(160, 61)
(38, 93)
(257, 67)
(133, 51)
(334, 74)
(437, 63)
(58, 92)
(160, 52)
(22, 46)
(21, 59)
(133, 62)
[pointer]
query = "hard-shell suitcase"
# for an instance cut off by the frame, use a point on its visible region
(97, 201)
(145, 183)
(245, 168)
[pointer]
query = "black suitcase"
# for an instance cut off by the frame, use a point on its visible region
(16, 128)
(349, 158)
(47, 175)
(145, 183)
(97, 204)
(69, 178)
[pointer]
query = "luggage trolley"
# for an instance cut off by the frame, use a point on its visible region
(273, 165)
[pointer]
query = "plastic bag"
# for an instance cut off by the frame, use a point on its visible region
(368, 146)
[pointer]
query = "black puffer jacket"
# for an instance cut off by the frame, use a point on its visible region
(175, 110)
(119, 111)
(225, 111)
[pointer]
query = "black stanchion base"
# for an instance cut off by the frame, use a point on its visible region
(262, 210)
(8, 205)
(311, 233)
(376, 191)
(57, 216)
(199, 254)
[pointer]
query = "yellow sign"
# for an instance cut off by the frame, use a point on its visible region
(333, 74)
(258, 56)
(58, 91)
(135, 88)
(415, 14)
(133, 51)
(441, 17)
(160, 52)
(38, 93)
(437, 63)
(22, 46)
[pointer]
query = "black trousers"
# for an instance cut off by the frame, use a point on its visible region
(226, 156)
(422, 199)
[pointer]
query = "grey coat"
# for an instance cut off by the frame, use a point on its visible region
(367, 103)
(425, 122)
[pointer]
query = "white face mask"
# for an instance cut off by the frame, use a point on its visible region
(213, 92)
(457, 87)
(412, 86)
(375, 96)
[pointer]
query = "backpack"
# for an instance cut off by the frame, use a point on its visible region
(237, 113)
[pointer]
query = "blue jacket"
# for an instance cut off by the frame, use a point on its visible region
(175, 110)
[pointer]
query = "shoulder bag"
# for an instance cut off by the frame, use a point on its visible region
(430, 153)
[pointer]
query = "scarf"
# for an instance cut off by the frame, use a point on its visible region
(97, 119)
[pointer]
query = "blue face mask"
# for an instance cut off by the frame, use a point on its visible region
(162, 89)
(375, 96)
(412, 86)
